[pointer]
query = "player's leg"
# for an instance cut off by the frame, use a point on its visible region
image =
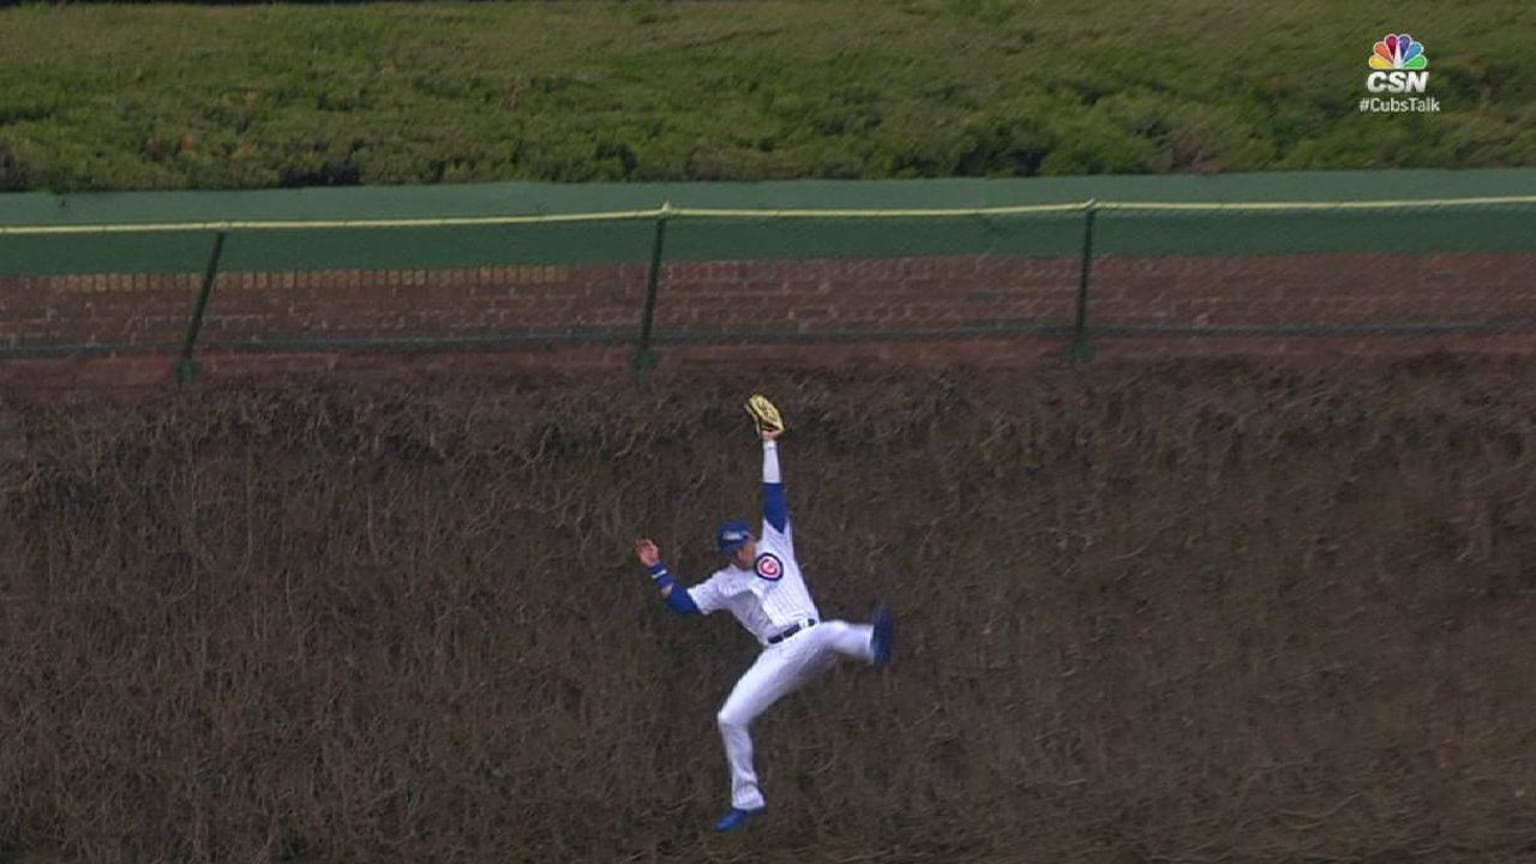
(870, 643)
(883, 636)
(766, 682)
(854, 641)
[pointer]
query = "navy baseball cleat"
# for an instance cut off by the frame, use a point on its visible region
(736, 818)
(884, 636)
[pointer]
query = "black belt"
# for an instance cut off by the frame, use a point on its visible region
(774, 640)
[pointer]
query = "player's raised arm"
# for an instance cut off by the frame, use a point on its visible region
(775, 505)
(675, 595)
(770, 425)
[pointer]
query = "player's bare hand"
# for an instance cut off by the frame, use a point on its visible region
(771, 434)
(647, 552)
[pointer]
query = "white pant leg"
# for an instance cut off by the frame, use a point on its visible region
(850, 640)
(768, 680)
(778, 671)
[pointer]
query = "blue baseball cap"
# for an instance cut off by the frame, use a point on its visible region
(732, 536)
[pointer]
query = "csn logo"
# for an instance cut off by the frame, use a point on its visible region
(1398, 63)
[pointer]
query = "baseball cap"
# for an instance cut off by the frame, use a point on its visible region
(733, 535)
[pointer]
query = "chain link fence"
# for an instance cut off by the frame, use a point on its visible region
(143, 274)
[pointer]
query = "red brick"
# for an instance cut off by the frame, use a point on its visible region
(810, 296)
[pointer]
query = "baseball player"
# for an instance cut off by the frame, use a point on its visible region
(762, 587)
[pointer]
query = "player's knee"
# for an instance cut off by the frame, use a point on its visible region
(729, 720)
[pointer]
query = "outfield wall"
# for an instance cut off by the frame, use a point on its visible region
(1366, 263)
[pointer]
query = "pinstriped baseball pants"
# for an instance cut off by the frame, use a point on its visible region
(778, 671)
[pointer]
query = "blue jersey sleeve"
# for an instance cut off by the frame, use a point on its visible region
(677, 598)
(681, 601)
(775, 506)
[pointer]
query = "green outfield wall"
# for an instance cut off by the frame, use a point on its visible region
(519, 223)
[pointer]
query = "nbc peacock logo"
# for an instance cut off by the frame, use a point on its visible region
(1398, 65)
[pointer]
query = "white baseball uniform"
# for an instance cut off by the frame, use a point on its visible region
(770, 600)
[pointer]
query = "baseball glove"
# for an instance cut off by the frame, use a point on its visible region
(764, 414)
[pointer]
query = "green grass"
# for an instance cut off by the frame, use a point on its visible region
(115, 97)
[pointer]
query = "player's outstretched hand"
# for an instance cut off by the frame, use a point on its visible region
(647, 552)
(766, 417)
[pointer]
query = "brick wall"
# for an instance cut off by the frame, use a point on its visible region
(753, 311)
(1323, 289)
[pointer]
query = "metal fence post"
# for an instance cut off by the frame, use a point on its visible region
(186, 369)
(1082, 349)
(645, 355)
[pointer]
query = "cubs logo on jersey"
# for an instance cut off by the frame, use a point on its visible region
(769, 567)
